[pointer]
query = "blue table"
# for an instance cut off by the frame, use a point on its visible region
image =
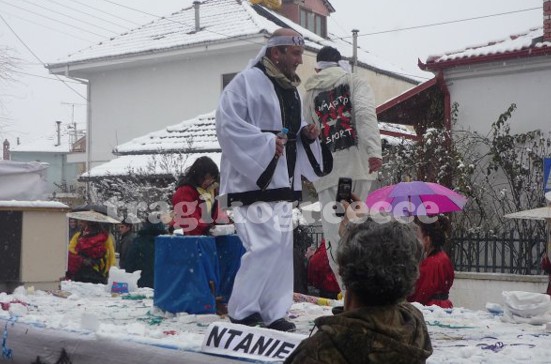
(188, 267)
(230, 249)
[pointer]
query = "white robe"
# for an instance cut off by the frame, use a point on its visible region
(264, 282)
(247, 106)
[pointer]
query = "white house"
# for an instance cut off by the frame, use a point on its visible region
(484, 80)
(175, 67)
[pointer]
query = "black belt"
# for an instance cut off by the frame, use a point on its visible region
(249, 197)
(291, 137)
(440, 296)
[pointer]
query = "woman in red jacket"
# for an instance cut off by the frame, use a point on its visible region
(195, 207)
(436, 269)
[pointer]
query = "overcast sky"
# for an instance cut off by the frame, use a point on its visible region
(400, 31)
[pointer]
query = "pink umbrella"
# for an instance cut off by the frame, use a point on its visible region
(415, 198)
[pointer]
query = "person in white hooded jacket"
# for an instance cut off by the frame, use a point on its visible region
(343, 106)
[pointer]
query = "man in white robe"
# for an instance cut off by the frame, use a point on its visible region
(343, 105)
(253, 108)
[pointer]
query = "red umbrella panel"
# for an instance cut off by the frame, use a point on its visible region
(415, 198)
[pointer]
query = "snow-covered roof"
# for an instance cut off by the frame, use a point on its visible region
(16, 204)
(530, 42)
(149, 164)
(44, 144)
(164, 152)
(395, 128)
(220, 21)
(197, 134)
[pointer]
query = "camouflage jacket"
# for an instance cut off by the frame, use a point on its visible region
(388, 334)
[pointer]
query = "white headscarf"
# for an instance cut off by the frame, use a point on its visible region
(280, 40)
(321, 65)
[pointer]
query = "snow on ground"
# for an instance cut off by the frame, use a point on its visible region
(458, 335)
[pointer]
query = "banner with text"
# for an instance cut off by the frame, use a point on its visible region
(255, 343)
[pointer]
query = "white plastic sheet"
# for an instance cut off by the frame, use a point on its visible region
(526, 307)
(24, 181)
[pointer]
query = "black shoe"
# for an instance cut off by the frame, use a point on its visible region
(337, 310)
(252, 320)
(282, 325)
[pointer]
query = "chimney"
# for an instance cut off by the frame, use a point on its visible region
(6, 154)
(58, 133)
(547, 20)
(196, 5)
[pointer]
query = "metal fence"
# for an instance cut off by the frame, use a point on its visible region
(497, 253)
(486, 252)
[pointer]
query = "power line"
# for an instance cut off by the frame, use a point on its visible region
(45, 77)
(337, 24)
(90, 15)
(57, 12)
(107, 13)
(443, 23)
(53, 19)
(47, 27)
(131, 8)
(35, 56)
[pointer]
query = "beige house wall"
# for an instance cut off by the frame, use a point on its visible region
(385, 87)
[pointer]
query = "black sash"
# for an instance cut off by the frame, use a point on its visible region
(327, 157)
(440, 296)
(249, 197)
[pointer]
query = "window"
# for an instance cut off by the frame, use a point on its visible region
(303, 16)
(317, 19)
(313, 22)
(226, 78)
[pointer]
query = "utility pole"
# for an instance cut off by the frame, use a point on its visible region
(354, 49)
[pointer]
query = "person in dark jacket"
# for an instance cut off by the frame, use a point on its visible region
(301, 241)
(378, 264)
(126, 237)
(141, 254)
